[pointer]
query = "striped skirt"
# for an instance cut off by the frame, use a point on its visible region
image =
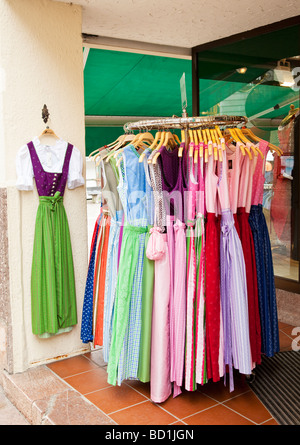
(53, 296)
(126, 330)
(234, 299)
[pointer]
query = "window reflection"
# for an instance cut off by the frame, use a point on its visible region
(271, 103)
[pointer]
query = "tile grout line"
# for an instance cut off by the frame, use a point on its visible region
(82, 395)
(97, 366)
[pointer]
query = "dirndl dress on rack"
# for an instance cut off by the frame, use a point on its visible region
(158, 252)
(173, 170)
(234, 298)
(53, 295)
(213, 320)
(264, 261)
(125, 342)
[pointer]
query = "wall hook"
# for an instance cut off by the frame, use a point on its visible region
(45, 113)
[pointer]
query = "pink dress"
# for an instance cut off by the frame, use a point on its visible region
(195, 236)
(157, 250)
(200, 289)
(249, 255)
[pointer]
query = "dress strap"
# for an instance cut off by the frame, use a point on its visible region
(65, 169)
(35, 160)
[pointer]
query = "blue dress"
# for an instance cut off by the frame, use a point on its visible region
(265, 281)
(125, 343)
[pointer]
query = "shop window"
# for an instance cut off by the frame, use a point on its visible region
(258, 76)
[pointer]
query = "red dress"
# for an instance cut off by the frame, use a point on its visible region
(212, 280)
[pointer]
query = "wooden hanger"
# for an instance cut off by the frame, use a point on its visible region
(182, 141)
(257, 139)
(112, 147)
(205, 146)
(48, 132)
(219, 154)
(168, 139)
(139, 139)
(236, 139)
(246, 141)
(215, 145)
(152, 146)
(209, 141)
(191, 143)
(200, 138)
(196, 151)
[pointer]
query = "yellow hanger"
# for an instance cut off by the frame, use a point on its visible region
(215, 146)
(219, 146)
(196, 151)
(205, 145)
(209, 142)
(191, 144)
(253, 137)
(161, 143)
(236, 139)
(246, 141)
(182, 141)
(257, 139)
(176, 138)
(199, 133)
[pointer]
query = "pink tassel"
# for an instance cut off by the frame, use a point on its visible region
(156, 244)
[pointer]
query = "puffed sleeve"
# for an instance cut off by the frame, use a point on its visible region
(75, 178)
(24, 169)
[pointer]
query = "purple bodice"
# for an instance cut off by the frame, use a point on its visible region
(173, 181)
(49, 183)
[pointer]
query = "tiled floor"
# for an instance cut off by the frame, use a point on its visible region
(130, 404)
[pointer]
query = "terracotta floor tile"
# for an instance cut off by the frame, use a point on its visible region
(71, 366)
(146, 413)
(249, 406)
(285, 341)
(143, 388)
(282, 326)
(270, 422)
(115, 398)
(96, 356)
(187, 403)
(88, 381)
(219, 392)
(217, 415)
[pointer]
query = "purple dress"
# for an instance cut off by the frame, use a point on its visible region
(53, 297)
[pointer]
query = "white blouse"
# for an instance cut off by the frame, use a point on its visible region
(51, 158)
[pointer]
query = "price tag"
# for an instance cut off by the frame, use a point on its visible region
(183, 92)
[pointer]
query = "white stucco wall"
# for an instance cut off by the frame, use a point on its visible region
(40, 63)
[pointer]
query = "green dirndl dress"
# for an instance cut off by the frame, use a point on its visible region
(53, 295)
